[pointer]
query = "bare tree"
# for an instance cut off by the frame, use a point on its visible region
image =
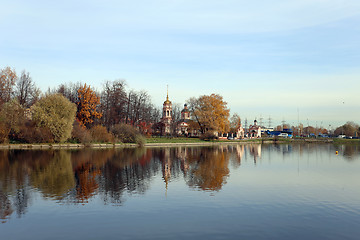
(113, 102)
(69, 91)
(26, 92)
(176, 116)
(235, 122)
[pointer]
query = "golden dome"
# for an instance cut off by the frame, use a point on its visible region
(167, 102)
(167, 98)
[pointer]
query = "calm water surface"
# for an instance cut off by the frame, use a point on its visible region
(225, 192)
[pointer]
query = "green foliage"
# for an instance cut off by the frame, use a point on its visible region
(100, 134)
(56, 113)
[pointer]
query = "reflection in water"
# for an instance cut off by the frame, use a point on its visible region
(76, 176)
(53, 178)
(255, 150)
(208, 168)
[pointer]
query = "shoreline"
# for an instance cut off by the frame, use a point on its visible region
(46, 146)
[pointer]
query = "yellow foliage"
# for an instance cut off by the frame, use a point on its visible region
(212, 112)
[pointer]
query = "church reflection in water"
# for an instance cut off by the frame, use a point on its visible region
(75, 176)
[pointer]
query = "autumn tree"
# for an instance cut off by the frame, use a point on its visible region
(308, 130)
(210, 112)
(56, 113)
(7, 81)
(26, 92)
(87, 105)
(210, 174)
(348, 129)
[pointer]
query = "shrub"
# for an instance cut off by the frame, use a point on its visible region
(140, 140)
(55, 113)
(30, 133)
(208, 136)
(126, 133)
(4, 132)
(100, 134)
(80, 134)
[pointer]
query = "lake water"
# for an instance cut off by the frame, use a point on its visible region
(299, 191)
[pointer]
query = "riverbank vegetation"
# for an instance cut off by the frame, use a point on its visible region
(78, 113)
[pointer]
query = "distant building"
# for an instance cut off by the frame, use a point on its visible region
(266, 130)
(254, 130)
(240, 132)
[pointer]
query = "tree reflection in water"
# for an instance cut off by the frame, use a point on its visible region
(208, 168)
(76, 176)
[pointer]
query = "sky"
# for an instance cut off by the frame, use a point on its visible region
(290, 60)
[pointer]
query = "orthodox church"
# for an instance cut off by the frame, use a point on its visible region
(255, 130)
(240, 132)
(166, 119)
(182, 127)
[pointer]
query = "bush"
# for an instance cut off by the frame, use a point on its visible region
(208, 136)
(100, 134)
(55, 113)
(30, 133)
(127, 134)
(4, 132)
(140, 140)
(80, 134)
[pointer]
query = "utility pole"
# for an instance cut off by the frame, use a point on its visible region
(298, 116)
(269, 119)
(283, 123)
(261, 120)
(245, 125)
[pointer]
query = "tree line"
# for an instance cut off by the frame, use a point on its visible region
(74, 112)
(77, 112)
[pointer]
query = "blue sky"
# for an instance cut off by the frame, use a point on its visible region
(266, 58)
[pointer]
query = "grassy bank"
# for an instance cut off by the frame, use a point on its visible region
(346, 141)
(173, 140)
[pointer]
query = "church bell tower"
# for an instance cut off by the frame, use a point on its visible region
(166, 115)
